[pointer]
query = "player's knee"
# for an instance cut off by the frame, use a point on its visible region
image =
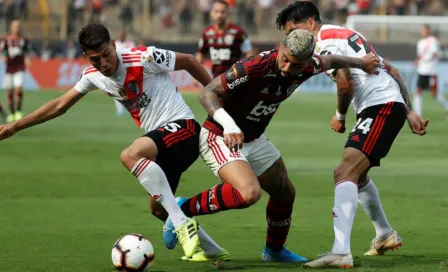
(251, 194)
(343, 172)
(129, 157)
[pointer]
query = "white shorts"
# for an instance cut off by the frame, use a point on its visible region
(260, 153)
(13, 80)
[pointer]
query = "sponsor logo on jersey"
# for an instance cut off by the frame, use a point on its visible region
(133, 87)
(228, 39)
(168, 58)
(261, 109)
(237, 82)
(270, 74)
(136, 103)
(158, 56)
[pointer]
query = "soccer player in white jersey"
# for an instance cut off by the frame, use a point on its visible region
(381, 103)
(428, 50)
(122, 43)
(139, 78)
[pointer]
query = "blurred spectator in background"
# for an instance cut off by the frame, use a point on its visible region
(126, 16)
(46, 52)
(398, 7)
(97, 7)
(246, 14)
(70, 51)
(204, 7)
(265, 9)
(186, 16)
(79, 9)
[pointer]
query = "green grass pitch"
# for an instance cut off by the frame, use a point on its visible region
(65, 197)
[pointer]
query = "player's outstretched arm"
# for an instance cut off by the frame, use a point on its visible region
(416, 123)
(345, 89)
(210, 100)
(190, 64)
(48, 111)
(368, 63)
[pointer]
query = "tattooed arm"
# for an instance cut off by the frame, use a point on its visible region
(368, 63)
(210, 96)
(395, 74)
(210, 100)
(345, 88)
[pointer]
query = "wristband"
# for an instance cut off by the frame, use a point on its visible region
(226, 121)
(340, 117)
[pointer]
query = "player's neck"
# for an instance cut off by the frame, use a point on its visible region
(221, 27)
(317, 30)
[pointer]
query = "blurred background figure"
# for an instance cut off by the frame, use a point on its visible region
(46, 52)
(15, 48)
(428, 51)
(126, 16)
(70, 50)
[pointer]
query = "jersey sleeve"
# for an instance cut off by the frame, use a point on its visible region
(84, 84)
(328, 49)
(158, 60)
(242, 74)
(203, 45)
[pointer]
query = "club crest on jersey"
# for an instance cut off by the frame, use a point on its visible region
(133, 87)
(228, 39)
(158, 56)
(317, 49)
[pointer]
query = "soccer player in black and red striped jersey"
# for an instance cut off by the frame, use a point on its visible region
(241, 102)
(225, 42)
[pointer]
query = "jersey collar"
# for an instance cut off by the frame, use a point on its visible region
(121, 71)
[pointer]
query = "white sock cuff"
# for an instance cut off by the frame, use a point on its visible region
(345, 183)
(139, 166)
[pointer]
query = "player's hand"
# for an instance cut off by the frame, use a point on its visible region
(370, 64)
(6, 131)
(416, 123)
(337, 125)
(234, 140)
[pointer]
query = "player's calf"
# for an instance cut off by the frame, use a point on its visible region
(156, 209)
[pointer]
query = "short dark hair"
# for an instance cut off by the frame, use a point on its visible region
(220, 2)
(92, 36)
(297, 12)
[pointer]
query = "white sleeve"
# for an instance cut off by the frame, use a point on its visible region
(159, 60)
(330, 50)
(246, 46)
(84, 85)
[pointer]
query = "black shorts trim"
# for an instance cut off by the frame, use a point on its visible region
(427, 82)
(178, 148)
(376, 130)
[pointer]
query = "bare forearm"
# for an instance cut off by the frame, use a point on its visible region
(345, 89)
(393, 72)
(198, 72)
(338, 62)
(46, 112)
(210, 96)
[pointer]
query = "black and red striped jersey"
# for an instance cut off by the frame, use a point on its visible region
(224, 46)
(255, 89)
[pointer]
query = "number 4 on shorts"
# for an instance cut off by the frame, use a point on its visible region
(364, 125)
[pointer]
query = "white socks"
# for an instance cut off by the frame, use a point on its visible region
(207, 244)
(418, 103)
(153, 179)
(344, 210)
(442, 100)
(369, 199)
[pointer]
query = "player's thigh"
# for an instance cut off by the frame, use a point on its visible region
(8, 82)
(276, 183)
(230, 167)
(18, 79)
(261, 154)
(372, 136)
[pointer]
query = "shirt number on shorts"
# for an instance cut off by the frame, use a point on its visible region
(364, 125)
(172, 127)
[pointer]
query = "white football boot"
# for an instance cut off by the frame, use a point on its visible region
(379, 247)
(332, 260)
